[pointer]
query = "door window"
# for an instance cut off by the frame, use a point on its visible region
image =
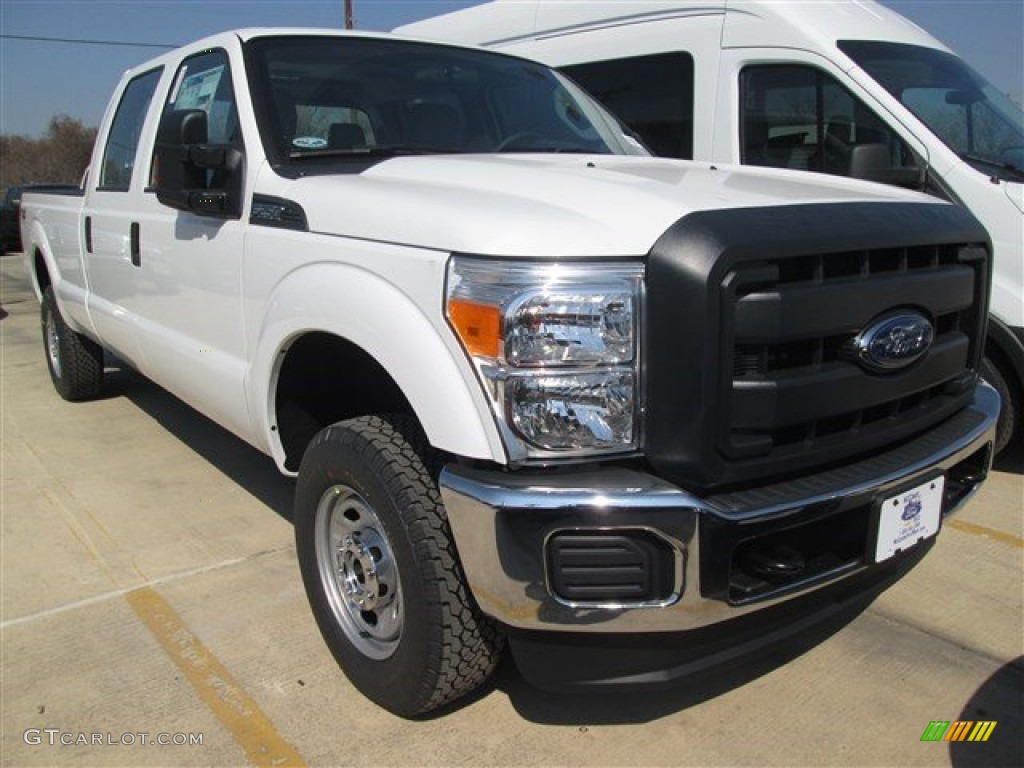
(123, 139)
(203, 82)
(798, 117)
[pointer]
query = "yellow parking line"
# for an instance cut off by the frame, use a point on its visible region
(232, 706)
(983, 530)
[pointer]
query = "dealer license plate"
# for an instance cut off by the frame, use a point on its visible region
(909, 517)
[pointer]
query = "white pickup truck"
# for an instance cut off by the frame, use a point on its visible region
(637, 417)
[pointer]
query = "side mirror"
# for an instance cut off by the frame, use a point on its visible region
(872, 162)
(191, 175)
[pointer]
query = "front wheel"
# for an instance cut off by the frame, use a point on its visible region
(75, 361)
(1009, 411)
(381, 571)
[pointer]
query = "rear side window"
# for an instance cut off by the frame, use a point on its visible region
(653, 95)
(798, 117)
(123, 139)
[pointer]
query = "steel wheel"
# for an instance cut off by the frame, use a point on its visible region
(381, 570)
(358, 572)
(75, 362)
(53, 343)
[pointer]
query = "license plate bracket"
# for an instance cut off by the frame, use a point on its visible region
(904, 519)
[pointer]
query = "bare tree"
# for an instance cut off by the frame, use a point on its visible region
(58, 157)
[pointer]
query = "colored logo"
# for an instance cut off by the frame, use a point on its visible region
(912, 508)
(958, 730)
(894, 342)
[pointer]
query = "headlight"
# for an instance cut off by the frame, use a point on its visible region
(557, 347)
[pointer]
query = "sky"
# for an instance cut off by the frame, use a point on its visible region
(40, 79)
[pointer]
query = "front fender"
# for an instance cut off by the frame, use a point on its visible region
(417, 350)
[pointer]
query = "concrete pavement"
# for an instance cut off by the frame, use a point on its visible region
(149, 586)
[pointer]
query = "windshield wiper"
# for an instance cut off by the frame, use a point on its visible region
(551, 150)
(369, 152)
(1009, 168)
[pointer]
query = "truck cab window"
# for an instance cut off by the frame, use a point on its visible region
(123, 138)
(798, 117)
(204, 82)
(653, 95)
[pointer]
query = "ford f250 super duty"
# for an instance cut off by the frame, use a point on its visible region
(636, 417)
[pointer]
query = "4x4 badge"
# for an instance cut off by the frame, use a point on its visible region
(894, 341)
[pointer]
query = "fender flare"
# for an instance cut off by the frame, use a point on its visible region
(366, 310)
(38, 243)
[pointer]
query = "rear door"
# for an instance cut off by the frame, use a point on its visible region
(111, 204)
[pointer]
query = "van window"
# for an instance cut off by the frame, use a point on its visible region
(653, 95)
(123, 139)
(956, 103)
(798, 117)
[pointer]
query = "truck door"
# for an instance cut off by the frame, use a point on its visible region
(112, 199)
(190, 267)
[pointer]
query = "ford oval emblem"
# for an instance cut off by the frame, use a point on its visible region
(894, 341)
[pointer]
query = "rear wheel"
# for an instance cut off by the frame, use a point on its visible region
(75, 361)
(381, 571)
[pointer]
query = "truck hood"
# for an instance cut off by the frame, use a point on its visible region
(546, 205)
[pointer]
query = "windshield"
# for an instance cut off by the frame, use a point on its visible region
(332, 98)
(956, 103)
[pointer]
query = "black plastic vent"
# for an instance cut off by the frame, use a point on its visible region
(610, 567)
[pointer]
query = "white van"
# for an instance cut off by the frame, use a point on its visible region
(847, 88)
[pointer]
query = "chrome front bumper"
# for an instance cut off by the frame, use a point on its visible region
(502, 521)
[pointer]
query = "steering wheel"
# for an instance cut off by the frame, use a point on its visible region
(518, 138)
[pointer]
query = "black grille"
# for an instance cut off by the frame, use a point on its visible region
(750, 371)
(795, 382)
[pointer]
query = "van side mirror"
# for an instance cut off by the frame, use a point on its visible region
(191, 175)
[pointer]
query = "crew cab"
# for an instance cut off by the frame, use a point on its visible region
(635, 417)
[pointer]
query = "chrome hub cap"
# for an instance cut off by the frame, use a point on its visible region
(358, 572)
(53, 343)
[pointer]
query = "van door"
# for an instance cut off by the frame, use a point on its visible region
(190, 266)
(782, 109)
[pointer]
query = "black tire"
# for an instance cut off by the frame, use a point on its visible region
(372, 477)
(75, 361)
(1009, 412)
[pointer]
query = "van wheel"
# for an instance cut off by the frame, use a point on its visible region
(1010, 407)
(75, 361)
(381, 571)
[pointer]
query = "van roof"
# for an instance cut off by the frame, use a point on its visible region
(763, 23)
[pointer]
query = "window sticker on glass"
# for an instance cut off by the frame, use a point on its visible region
(309, 142)
(196, 91)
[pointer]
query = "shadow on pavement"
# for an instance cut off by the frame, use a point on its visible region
(252, 470)
(641, 705)
(1000, 698)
